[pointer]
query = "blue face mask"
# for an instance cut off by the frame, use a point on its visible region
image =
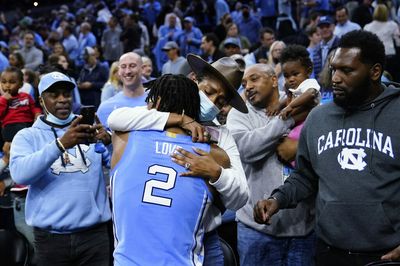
(55, 120)
(60, 122)
(208, 110)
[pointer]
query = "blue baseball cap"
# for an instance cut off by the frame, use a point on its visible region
(232, 41)
(50, 79)
(325, 20)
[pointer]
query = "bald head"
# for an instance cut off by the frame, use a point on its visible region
(130, 70)
(131, 57)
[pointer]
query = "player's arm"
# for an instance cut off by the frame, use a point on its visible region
(142, 118)
(119, 141)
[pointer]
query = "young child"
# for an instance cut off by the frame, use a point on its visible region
(302, 92)
(17, 109)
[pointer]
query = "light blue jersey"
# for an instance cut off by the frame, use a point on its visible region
(159, 216)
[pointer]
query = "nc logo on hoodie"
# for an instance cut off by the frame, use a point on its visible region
(74, 164)
(352, 159)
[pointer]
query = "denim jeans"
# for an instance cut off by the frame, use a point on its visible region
(257, 248)
(91, 247)
(213, 255)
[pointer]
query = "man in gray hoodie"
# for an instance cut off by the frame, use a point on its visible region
(348, 156)
(290, 239)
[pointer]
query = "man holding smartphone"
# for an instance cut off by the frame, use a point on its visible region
(67, 203)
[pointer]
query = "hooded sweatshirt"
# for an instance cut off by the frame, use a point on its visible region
(350, 159)
(60, 199)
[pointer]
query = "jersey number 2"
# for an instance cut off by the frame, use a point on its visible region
(148, 196)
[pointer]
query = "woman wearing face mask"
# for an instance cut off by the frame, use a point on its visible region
(217, 85)
(67, 203)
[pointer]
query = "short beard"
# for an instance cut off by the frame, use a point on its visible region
(355, 99)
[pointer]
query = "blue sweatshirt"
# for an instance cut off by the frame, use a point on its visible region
(60, 199)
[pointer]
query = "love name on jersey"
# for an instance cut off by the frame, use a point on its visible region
(166, 147)
(356, 137)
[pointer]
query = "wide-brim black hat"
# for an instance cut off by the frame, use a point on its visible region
(227, 70)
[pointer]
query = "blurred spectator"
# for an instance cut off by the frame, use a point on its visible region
(231, 46)
(209, 46)
(151, 9)
(274, 56)
(221, 8)
(86, 39)
(233, 32)
(110, 41)
(91, 79)
(343, 24)
(70, 43)
(221, 28)
(113, 84)
(32, 56)
(236, 14)
(131, 33)
(388, 32)
(189, 39)
(15, 59)
(147, 69)
(260, 55)
(362, 15)
(3, 62)
(175, 61)
(268, 12)
(328, 43)
(249, 26)
(166, 33)
(314, 37)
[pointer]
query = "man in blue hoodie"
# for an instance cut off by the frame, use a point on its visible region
(67, 203)
(348, 157)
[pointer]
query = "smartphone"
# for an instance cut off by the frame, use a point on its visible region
(88, 113)
(214, 133)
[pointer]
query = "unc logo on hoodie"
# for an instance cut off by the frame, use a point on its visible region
(74, 164)
(355, 142)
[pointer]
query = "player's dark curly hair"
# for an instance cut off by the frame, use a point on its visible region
(372, 49)
(17, 71)
(296, 52)
(177, 94)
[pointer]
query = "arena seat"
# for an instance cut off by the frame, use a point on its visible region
(14, 248)
(229, 255)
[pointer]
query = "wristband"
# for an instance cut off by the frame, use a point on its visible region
(272, 197)
(60, 145)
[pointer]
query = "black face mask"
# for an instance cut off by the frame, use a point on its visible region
(246, 14)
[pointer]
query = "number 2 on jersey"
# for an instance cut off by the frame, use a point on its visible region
(148, 196)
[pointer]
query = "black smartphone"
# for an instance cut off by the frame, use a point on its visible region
(88, 113)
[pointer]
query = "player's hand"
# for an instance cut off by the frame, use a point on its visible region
(199, 163)
(264, 209)
(101, 132)
(197, 131)
(392, 255)
(287, 149)
(77, 134)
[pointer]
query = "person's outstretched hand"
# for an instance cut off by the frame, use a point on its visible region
(392, 255)
(264, 210)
